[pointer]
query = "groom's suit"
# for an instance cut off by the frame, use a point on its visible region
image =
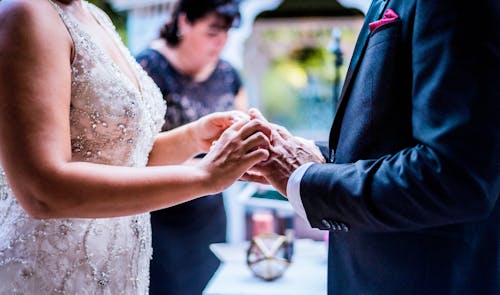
(411, 193)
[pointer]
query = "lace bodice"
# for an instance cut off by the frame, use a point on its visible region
(112, 122)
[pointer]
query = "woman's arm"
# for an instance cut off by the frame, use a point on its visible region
(241, 101)
(35, 149)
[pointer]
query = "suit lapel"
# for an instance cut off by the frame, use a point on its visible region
(374, 13)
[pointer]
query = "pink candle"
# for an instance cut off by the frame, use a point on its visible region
(262, 222)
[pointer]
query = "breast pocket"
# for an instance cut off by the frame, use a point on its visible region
(383, 68)
(385, 33)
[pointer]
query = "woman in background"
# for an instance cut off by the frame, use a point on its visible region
(185, 63)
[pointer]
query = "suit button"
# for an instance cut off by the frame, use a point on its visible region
(326, 224)
(344, 227)
(332, 156)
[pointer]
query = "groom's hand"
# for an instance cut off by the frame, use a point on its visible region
(286, 154)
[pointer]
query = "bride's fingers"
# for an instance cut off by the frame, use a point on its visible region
(226, 119)
(254, 177)
(248, 135)
(254, 126)
(236, 126)
(254, 157)
(228, 134)
(257, 140)
(238, 115)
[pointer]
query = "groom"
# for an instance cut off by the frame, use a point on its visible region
(410, 188)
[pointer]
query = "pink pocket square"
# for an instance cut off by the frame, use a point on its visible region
(389, 17)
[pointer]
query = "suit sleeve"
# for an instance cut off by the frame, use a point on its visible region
(452, 174)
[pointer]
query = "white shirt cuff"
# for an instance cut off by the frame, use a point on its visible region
(293, 191)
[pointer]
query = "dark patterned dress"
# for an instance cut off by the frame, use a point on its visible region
(182, 262)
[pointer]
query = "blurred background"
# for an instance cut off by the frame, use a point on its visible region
(284, 50)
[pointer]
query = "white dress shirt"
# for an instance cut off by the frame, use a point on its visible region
(293, 191)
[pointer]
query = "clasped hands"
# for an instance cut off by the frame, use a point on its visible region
(269, 153)
(286, 154)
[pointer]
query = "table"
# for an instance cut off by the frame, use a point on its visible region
(306, 275)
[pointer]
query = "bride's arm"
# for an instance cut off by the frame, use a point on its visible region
(174, 146)
(35, 147)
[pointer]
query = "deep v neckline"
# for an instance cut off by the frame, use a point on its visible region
(137, 83)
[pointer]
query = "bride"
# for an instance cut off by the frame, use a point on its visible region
(79, 123)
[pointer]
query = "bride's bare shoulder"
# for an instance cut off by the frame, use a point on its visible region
(26, 10)
(30, 21)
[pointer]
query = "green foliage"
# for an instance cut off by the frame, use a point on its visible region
(297, 88)
(280, 92)
(316, 61)
(296, 84)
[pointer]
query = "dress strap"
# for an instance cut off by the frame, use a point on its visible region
(66, 19)
(59, 10)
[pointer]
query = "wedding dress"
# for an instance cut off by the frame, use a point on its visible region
(112, 122)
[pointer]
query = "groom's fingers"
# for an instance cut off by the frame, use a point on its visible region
(256, 114)
(282, 132)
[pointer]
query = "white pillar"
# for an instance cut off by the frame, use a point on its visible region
(361, 5)
(249, 9)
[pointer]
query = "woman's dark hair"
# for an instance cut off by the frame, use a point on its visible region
(197, 9)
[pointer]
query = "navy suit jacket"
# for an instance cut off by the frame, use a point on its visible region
(411, 193)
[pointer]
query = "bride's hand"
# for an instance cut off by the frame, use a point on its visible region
(238, 149)
(209, 128)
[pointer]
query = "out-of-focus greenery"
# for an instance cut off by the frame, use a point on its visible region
(119, 19)
(297, 88)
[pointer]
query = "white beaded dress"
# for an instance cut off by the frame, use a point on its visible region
(112, 122)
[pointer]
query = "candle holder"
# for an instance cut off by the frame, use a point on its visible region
(269, 255)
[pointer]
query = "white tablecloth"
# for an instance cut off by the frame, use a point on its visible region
(306, 275)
